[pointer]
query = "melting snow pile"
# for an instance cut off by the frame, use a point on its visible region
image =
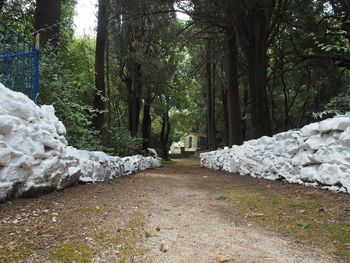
(317, 155)
(35, 156)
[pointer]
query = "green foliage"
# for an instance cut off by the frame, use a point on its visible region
(337, 105)
(124, 144)
(19, 15)
(68, 86)
(303, 224)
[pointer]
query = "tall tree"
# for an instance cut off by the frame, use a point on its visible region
(210, 91)
(233, 99)
(47, 20)
(99, 104)
(258, 23)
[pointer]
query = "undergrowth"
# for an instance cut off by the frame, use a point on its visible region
(308, 214)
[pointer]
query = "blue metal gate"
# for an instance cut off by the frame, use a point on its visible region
(19, 62)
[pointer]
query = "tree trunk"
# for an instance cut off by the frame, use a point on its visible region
(225, 112)
(164, 135)
(134, 101)
(286, 100)
(99, 104)
(146, 123)
(254, 29)
(47, 19)
(257, 79)
(109, 95)
(233, 100)
(210, 99)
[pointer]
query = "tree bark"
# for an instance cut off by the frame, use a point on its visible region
(2, 2)
(99, 104)
(233, 100)
(109, 95)
(164, 135)
(146, 123)
(134, 94)
(254, 31)
(47, 19)
(210, 99)
(257, 79)
(225, 111)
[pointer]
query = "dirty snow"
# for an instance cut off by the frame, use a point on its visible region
(317, 155)
(35, 156)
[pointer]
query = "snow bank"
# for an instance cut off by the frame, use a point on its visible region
(317, 155)
(35, 156)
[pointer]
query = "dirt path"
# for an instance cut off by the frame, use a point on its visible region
(127, 220)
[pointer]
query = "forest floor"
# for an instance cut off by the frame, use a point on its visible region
(178, 213)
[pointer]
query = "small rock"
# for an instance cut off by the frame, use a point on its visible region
(148, 232)
(54, 219)
(158, 228)
(163, 247)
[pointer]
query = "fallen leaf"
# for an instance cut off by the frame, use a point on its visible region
(220, 259)
(254, 214)
(302, 224)
(269, 259)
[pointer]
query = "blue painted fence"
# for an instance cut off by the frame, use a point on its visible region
(19, 62)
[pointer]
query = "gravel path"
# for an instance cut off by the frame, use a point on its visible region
(173, 208)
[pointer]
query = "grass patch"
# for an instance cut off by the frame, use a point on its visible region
(221, 198)
(307, 214)
(75, 251)
(15, 252)
(127, 241)
(167, 162)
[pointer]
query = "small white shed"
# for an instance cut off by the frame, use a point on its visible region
(195, 141)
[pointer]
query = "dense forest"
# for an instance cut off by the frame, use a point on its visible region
(235, 70)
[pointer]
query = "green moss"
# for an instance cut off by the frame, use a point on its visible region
(299, 215)
(16, 252)
(73, 252)
(127, 241)
(166, 162)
